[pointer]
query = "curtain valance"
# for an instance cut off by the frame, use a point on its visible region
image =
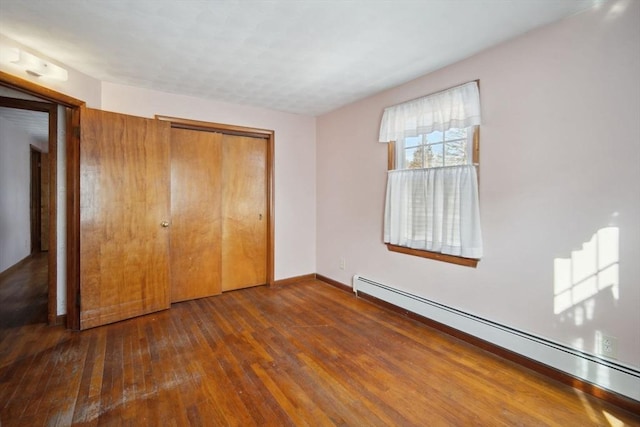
(457, 107)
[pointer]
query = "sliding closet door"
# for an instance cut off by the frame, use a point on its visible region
(124, 214)
(244, 212)
(196, 227)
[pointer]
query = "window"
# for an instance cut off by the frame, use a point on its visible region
(452, 147)
(431, 207)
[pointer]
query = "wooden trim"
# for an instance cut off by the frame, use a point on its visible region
(267, 134)
(334, 283)
(53, 215)
(73, 217)
(271, 239)
(180, 123)
(35, 198)
(391, 155)
(25, 86)
(294, 280)
(475, 151)
(61, 320)
(555, 374)
(25, 104)
(467, 262)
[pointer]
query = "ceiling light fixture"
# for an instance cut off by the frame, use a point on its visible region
(34, 65)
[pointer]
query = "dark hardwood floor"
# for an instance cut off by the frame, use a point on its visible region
(304, 354)
(23, 293)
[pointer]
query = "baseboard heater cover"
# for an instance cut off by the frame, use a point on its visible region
(604, 373)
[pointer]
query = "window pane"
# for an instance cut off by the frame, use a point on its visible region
(412, 141)
(434, 155)
(455, 133)
(455, 153)
(413, 158)
(435, 136)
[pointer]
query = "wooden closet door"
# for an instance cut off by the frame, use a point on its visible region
(244, 212)
(196, 227)
(124, 199)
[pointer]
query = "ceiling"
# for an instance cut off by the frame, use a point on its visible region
(299, 56)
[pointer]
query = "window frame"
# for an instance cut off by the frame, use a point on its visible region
(438, 256)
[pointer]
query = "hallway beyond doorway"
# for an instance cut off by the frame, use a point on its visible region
(23, 293)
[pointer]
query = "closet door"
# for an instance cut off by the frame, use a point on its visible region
(124, 212)
(244, 212)
(196, 226)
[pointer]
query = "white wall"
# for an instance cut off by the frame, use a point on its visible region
(295, 224)
(15, 184)
(560, 159)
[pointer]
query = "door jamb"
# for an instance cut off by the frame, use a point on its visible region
(35, 198)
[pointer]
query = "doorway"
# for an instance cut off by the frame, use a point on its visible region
(25, 213)
(69, 107)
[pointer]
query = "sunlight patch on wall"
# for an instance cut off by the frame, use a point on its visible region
(587, 272)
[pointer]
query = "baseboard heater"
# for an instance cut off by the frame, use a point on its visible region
(604, 373)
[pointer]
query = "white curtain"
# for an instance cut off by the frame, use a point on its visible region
(458, 107)
(435, 210)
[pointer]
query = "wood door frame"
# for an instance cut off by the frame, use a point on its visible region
(35, 198)
(73, 107)
(266, 134)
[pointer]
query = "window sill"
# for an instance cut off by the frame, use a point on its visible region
(467, 262)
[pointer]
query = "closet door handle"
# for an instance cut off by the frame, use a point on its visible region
(165, 224)
(260, 217)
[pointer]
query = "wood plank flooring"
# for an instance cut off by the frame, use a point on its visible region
(23, 293)
(305, 354)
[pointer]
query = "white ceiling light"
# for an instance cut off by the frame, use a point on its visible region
(33, 65)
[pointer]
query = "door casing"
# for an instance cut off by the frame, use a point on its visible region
(35, 202)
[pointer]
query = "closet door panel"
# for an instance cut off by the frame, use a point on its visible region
(124, 198)
(244, 212)
(196, 227)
